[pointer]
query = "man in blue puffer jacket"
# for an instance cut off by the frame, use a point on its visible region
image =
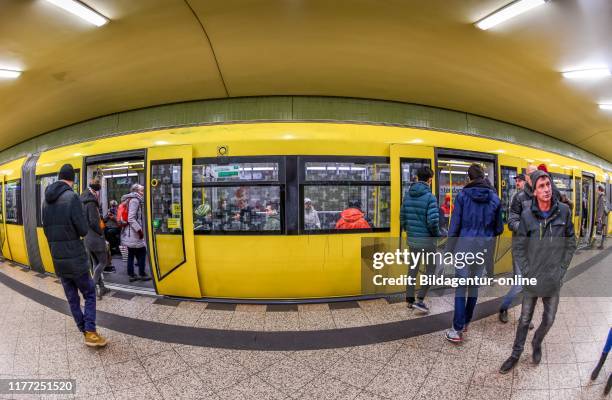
(419, 217)
(475, 222)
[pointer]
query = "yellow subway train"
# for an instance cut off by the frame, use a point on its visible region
(255, 211)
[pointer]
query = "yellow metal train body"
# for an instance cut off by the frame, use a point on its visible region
(287, 265)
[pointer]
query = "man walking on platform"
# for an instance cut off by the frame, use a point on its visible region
(601, 214)
(64, 225)
(543, 247)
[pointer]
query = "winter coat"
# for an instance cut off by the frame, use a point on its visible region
(352, 218)
(601, 214)
(311, 219)
(129, 235)
(272, 223)
(94, 240)
(111, 218)
(64, 224)
(516, 207)
(419, 216)
(476, 220)
(544, 246)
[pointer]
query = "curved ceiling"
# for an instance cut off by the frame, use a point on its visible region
(426, 52)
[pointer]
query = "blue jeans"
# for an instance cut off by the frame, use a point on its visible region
(85, 319)
(464, 307)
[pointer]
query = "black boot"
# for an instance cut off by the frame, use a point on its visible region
(503, 316)
(536, 356)
(508, 365)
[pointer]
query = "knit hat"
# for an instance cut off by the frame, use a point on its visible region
(66, 173)
(535, 175)
(475, 171)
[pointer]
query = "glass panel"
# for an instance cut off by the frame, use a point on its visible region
(452, 177)
(346, 171)
(237, 208)
(236, 172)
(166, 215)
(508, 190)
(346, 207)
(579, 206)
(12, 201)
(564, 184)
(42, 182)
(409, 171)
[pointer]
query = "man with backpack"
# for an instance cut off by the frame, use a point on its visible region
(64, 225)
(130, 215)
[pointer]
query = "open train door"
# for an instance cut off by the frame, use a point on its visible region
(170, 220)
(5, 251)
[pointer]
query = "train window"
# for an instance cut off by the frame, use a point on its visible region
(238, 196)
(42, 182)
(579, 206)
(341, 195)
(564, 184)
(508, 189)
(166, 214)
(1, 209)
(12, 202)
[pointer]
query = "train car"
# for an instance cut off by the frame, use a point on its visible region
(251, 211)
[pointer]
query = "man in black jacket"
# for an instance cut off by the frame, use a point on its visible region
(94, 240)
(64, 224)
(543, 248)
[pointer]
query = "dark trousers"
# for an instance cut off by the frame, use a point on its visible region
(140, 253)
(430, 270)
(113, 235)
(85, 319)
(548, 318)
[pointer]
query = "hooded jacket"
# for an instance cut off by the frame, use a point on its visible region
(94, 240)
(129, 235)
(64, 224)
(476, 220)
(352, 218)
(544, 246)
(516, 207)
(419, 216)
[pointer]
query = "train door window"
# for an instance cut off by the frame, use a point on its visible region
(344, 193)
(12, 202)
(42, 182)
(452, 177)
(239, 195)
(564, 184)
(409, 171)
(167, 209)
(508, 189)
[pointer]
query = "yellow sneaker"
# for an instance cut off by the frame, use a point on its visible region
(93, 339)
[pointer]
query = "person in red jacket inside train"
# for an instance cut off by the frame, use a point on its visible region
(352, 217)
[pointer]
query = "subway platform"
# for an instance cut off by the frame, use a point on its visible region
(377, 349)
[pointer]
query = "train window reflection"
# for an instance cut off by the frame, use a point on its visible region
(237, 208)
(564, 184)
(345, 195)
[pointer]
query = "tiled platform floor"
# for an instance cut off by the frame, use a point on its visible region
(38, 342)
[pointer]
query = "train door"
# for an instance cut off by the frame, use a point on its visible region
(4, 248)
(117, 173)
(577, 204)
(405, 161)
(170, 214)
(588, 209)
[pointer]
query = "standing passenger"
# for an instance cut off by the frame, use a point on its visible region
(311, 216)
(602, 215)
(352, 217)
(112, 231)
(94, 240)
(543, 247)
(64, 224)
(476, 220)
(419, 217)
(132, 235)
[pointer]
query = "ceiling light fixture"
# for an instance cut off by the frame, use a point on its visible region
(80, 10)
(505, 13)
(9, 74)
(607, 107)
(587, 73)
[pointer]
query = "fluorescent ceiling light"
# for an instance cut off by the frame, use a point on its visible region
(587, 73)
(606, 107)
(9, 73)
(80, 10)
(509, 11)
(161, 142)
